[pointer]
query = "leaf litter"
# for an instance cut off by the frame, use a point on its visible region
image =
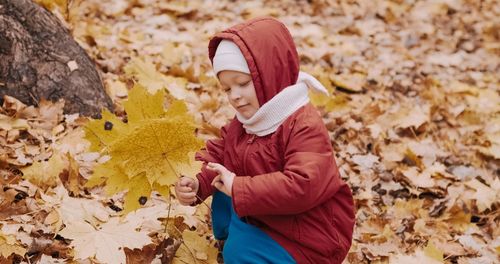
(413, 115)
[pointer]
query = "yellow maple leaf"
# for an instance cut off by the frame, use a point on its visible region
(351, 82)
(142, 105)
(149, 152)
(150, 78)
(157, 148)
(331, 101)
(8, 246)
(45, 173)
(133, 199)
(103, 132)
(73, 175)
(146, 74)
(195, 249)
(432, 251)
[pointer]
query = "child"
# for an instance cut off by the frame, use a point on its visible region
(278, 196)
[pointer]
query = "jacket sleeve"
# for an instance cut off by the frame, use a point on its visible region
(310, 175)
(213, 152)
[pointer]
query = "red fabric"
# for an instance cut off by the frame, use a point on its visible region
(288, 183)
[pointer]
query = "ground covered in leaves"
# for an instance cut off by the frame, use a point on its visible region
(413, 117)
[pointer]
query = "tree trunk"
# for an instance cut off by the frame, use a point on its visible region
(39, 59)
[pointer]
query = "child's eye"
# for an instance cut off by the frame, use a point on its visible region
(244, 84)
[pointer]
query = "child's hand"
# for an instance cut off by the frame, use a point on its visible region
(224, 181)
(186, 189)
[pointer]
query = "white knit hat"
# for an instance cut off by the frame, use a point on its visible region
(229, 57)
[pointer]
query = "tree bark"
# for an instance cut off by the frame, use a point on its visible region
(40, 59)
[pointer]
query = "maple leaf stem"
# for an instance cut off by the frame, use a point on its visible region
(176, 174)
(168, 214)
(413, 132)
(203, 202)
(173, 169)
(190, 252)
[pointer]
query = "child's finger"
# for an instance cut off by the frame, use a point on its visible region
(216, 167)
(184, 189)
(210, 166)
(186, 196)
(185, 181)
(219, 185)
(216, 179)
(187, 202)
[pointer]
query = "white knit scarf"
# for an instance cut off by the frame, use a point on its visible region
(273, 113)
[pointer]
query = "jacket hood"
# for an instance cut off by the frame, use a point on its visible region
(269, 50)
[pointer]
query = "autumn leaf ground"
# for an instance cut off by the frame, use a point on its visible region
(413, 117)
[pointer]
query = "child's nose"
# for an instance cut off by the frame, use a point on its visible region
(234, 95)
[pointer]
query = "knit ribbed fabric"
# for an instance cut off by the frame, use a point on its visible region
(229, 57)
(273, 113)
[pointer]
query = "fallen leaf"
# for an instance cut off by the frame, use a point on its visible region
(106, 242)
(8, 246)
(45, 173)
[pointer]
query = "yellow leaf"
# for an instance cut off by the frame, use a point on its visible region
(351, 82)
(148, 77)
(163, 190)
(176, 86)
(158, 148)
(45, 173)
(146, 74)
(142, 105)
(173, 54)
(73, 176)
(139, 188)
(103, 132)
(410, 156)
(432, 251)
(149, 152)
(331, 101)
(116, 88)
(8, 246)
(101, 173)
(195, 249)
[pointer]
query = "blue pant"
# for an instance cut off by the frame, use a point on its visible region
(245, 243)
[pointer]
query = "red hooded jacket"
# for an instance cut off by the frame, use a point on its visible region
(288, 183)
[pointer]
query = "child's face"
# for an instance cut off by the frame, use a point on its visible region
(240, 92)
